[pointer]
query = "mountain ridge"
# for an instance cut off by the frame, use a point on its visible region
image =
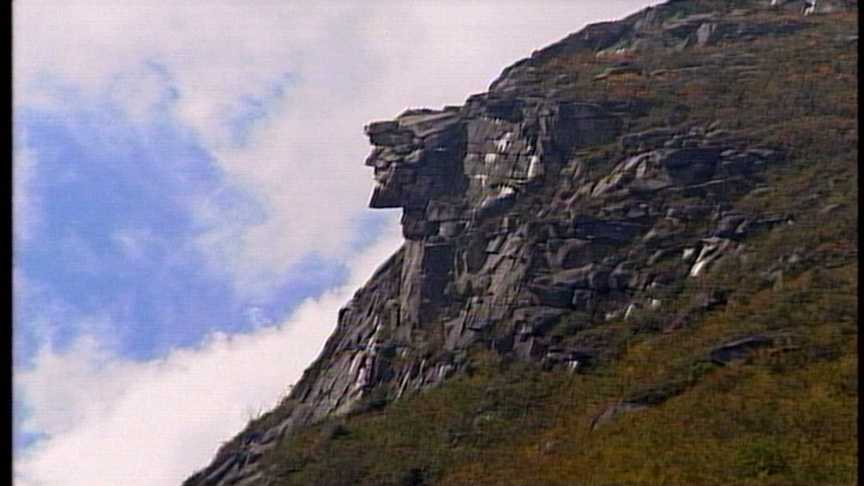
(568, 198)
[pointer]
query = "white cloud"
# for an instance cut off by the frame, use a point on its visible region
(51, 320)
(127, 423)
(257, 317)
(349, 63)
(134, 242)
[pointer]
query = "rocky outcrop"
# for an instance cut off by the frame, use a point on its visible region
(513, 224)
(809, 7)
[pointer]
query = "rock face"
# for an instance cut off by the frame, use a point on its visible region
(511, 220)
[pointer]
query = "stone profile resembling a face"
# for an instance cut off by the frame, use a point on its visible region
(416, 157)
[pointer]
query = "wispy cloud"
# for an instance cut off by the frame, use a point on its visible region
(25, 203)
(134, 242)
(154, 422)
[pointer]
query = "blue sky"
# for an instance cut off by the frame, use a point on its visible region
(114, 229)
(190, 204)
(113, 257)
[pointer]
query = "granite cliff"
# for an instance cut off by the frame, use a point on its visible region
(569, 196)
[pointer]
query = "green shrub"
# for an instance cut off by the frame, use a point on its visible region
(761, 458)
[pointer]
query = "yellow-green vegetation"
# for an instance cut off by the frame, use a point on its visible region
(786, 415)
